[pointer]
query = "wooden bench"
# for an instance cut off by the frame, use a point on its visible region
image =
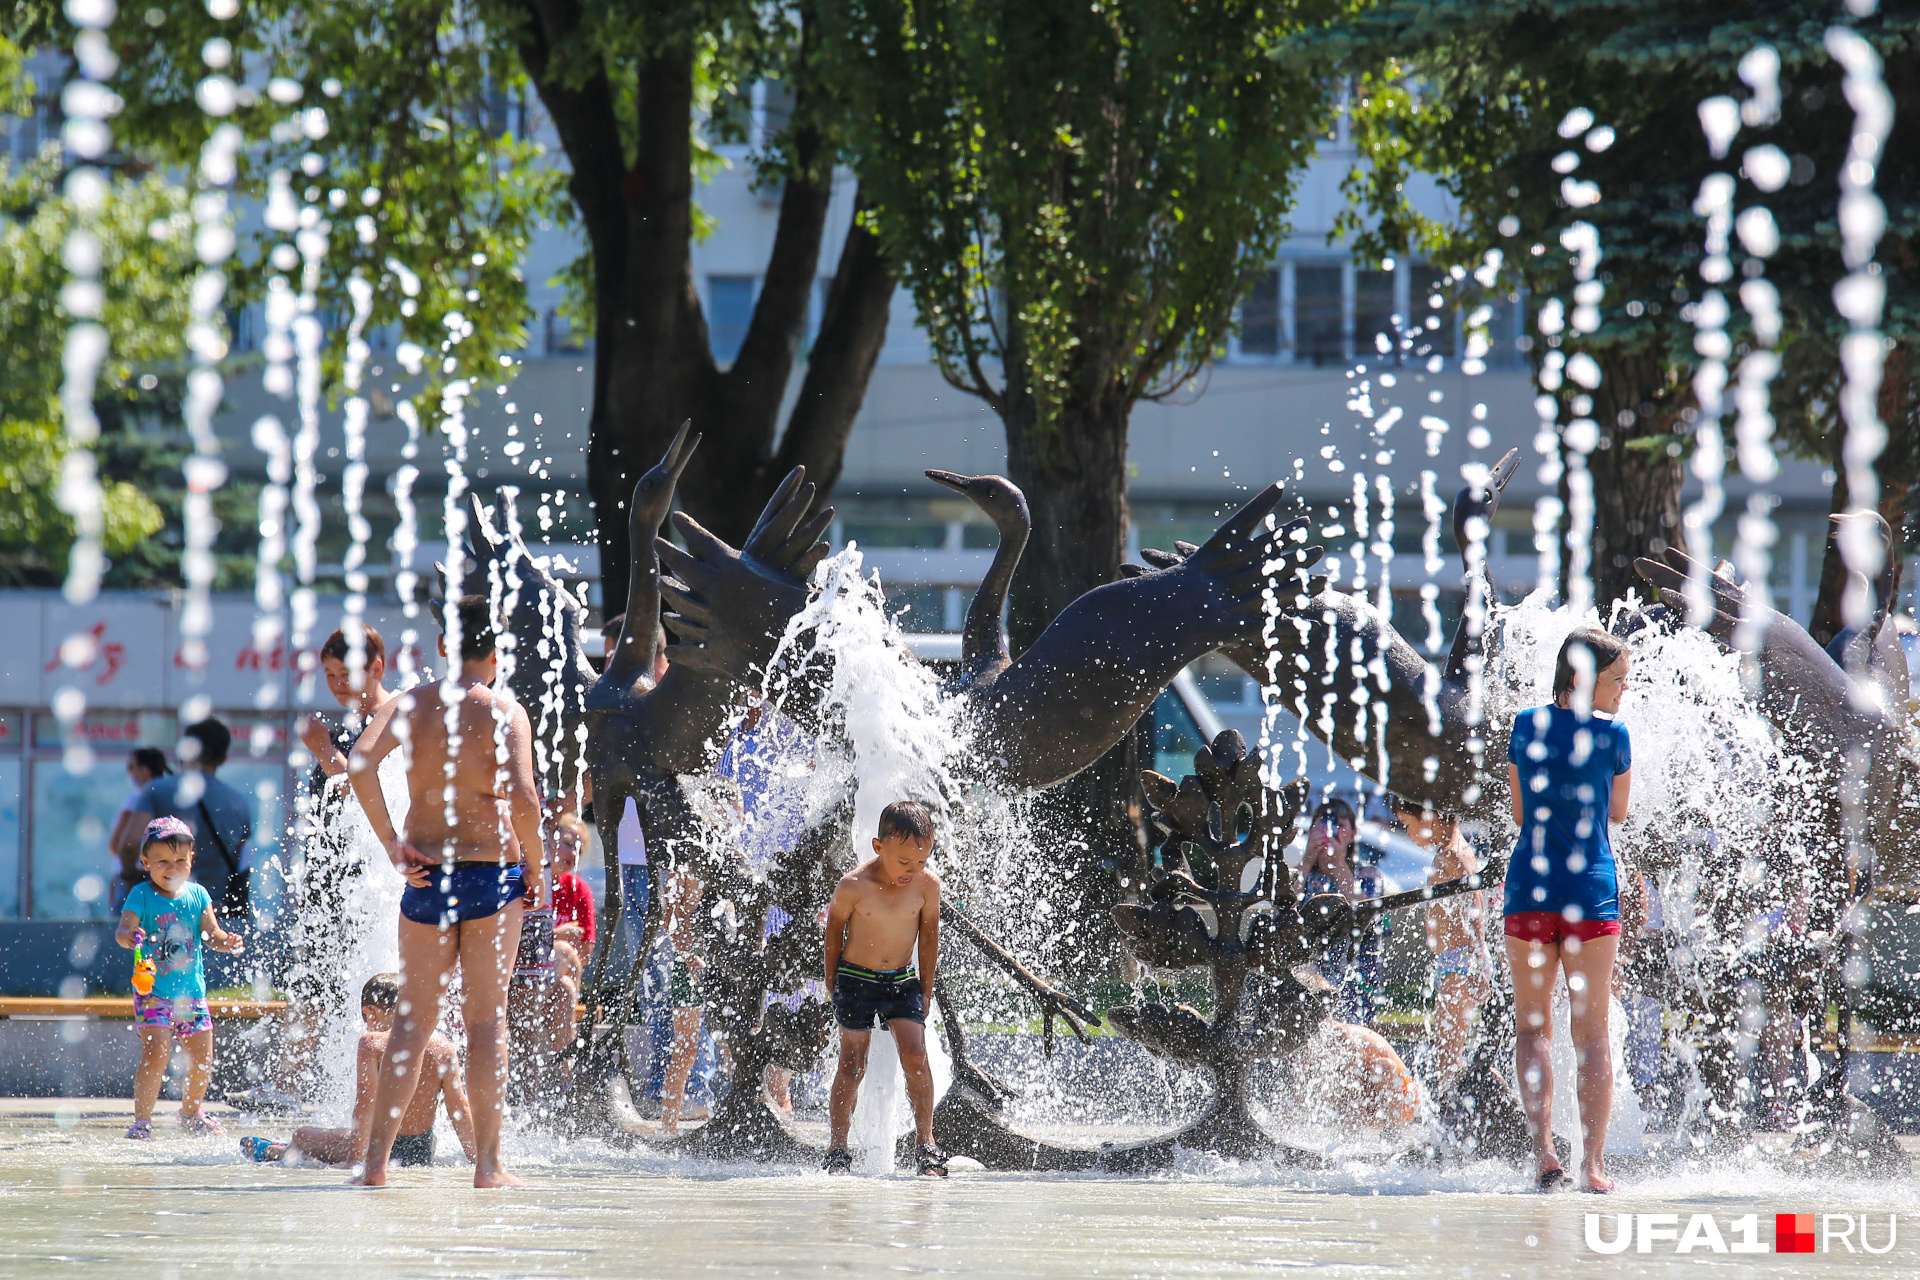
(122, 1007)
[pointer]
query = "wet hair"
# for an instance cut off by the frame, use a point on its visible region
(476, 628)
(152, 759)
(1602, 649)
(338, 648)
(1339, 808)
(214, 738)
(907, 819)
(381, 991)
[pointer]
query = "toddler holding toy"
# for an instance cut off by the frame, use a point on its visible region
(166, 918)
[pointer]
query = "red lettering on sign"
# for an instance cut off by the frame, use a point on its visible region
(92, 646)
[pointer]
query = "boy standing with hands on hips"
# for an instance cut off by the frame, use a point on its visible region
(881, 913)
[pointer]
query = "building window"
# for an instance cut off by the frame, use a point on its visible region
(1373, 315)
(1319, 317)
(729, 312)
(1260, 317)
(1431, 323)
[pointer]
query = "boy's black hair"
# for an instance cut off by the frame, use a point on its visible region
(908, 818)
(476, 628)
(153, 760)
(337, 647)
(382, 991)
(1603, 649)
(214, 738)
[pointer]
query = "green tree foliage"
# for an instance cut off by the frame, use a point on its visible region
(407, 127)
(1479, 92)
(143, 236)
(1079, 195)
(390, 119)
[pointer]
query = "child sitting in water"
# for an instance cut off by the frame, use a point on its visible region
(442, 1079)
(881, 913)
(166, 916)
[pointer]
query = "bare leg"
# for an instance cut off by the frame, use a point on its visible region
(328, 1146)
(156, 1047)
(1451, 1006)
(1589, 967)
(1778, 1040)
(910, 1039)
(487, 949)
(686, 1046)
(846, 1086)
(562, 1016)
(1535, 966)
(199, 1047)
(780, 1090)
(526, 1035)
(427, 952)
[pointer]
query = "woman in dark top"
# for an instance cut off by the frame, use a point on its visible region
(1570, 767)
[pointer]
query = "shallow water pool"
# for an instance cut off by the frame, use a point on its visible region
(77, 1199)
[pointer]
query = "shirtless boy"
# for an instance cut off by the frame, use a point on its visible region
(379, 999)
(473, 860)
(879, 915)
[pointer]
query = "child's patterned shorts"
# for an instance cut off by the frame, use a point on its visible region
(187, 1015)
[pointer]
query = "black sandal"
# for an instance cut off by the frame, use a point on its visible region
(933, 1161)
(1554, 1180)
(839, 1160)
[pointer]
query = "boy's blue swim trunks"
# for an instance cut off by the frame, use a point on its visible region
(862, 997)
(471, 891)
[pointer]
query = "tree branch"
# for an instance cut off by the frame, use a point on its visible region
(758, 379)
(852, 333)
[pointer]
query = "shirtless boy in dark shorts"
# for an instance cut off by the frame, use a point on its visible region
(440, 1079)
(473, 860)
(880, 914)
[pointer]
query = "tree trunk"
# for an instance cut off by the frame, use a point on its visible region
(653, 365)
(1074, 473)
(1636, 491)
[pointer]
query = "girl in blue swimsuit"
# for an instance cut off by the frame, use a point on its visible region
(1569, 771)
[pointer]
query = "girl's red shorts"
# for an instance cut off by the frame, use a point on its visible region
(1551, 926)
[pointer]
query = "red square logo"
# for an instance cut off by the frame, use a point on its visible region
(1793, 1233)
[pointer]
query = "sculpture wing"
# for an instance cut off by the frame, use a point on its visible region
(730, 607)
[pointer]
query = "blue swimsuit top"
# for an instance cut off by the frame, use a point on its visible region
(1563, 861)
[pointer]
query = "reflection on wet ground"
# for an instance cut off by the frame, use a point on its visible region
(77, 1199)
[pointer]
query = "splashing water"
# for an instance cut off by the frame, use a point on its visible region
(892, 732)
(889, 732)
(1859, 297)
(364, 938)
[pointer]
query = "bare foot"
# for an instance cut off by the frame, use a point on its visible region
(498, 1178)
(1596, 1181)
(369, 1177)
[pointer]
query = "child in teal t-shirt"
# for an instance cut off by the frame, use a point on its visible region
(167, 917)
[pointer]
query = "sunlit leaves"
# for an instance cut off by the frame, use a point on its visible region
(1079, 194)
(145, 315)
